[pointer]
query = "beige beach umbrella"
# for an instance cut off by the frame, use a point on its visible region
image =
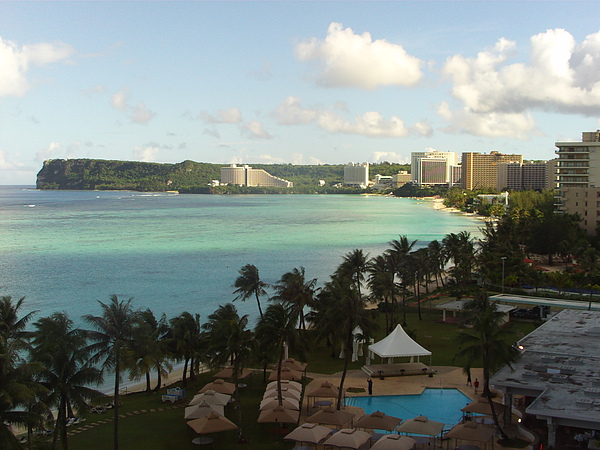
(482, 406)
(348, 438)
(378, 421)
(272, 402)
(286, 374)
(219, 385)
(421, 425)
(394, 442)
(213, 423)
(202, 410)
(288, 384)
(279, 414)
(330, 416)
(285, 393)
(310, 433)
(326, 389)
(227, 372)
(294, 365)
(471, 431)
(211, 397)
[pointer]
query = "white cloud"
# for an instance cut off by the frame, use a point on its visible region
(255, 129)
(147, 154)
(560, 76)
(53, 151)
(370, 124)
(119, 100)
(301, 159)
(347, 59)
(388, 156)
(491, 124)
(16, 61)
(137, 114)
(230, 115)
(291, 112)
(7, 163)
(140, 114)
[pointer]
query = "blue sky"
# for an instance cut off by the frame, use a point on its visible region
(292, 82)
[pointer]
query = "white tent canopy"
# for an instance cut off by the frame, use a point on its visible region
(397, 344)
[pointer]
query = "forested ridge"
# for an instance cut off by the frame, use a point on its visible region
(187, 176)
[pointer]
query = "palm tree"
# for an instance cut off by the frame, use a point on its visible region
(438, 260)
(230, 340)
(399, 250)
(461, 250)
(63, 351)
(381, 282)
(18, 389)
(149, 348)
(248, 284)
(345, 313)
(296, 291)
(112, 337)
(355, 265)
(12, 327)
(275, 329)
(186, 337)
(487, 343)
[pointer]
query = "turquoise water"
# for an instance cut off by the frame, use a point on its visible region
(65, 250)
(440, 405)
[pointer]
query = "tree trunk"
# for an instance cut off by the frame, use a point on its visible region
(258, 303)
(159, 379)
(148, 387)
(116, 403)
(487, 393)
(346, 362)
(184, 379)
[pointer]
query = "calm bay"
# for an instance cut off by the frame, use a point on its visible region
(64, 250)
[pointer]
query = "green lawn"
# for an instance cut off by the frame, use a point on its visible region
(167, 429)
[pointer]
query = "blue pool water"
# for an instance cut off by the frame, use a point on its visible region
(441, 405)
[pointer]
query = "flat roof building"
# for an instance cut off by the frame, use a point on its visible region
(356, 174)
(578, 179)
(432, 167)
(247, 176)
(523, 176)
(557, 377)
(480, 171)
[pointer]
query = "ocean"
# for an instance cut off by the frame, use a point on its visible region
(65, 250)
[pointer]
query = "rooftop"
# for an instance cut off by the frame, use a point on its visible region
(560, 365)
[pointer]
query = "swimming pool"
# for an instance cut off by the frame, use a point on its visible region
(441, 405)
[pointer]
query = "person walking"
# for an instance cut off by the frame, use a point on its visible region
(469, 383)
(476, 385)
(370, 385)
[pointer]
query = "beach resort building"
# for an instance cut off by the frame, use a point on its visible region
(578, 179)
(523, 176)
(555, 382)
(356, 174)
(433, 167)
(247, 176)
(480, 171)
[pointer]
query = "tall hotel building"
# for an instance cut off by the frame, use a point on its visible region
(480, 171)
(247, 176)
(433, 168)
(356, 174)
(578, 179)
(529, 175)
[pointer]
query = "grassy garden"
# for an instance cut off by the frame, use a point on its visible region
(148, 423)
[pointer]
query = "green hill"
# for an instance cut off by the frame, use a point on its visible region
(187, 176)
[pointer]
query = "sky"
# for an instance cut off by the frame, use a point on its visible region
(292, 82)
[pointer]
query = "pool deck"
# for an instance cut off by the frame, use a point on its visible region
(445, 377)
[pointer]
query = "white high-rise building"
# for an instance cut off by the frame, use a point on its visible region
(356, 174)
(247, 176)
(432, 167)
